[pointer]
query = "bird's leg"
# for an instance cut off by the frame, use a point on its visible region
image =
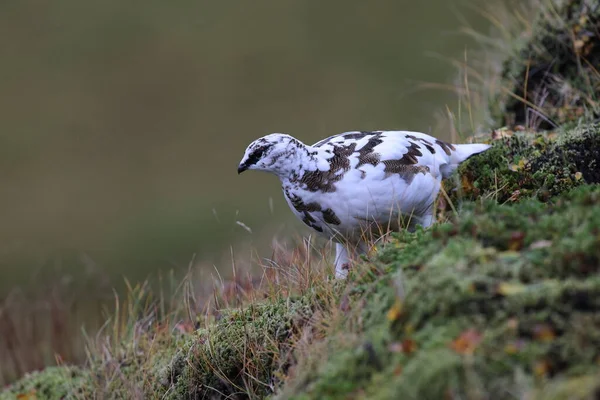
(342, 261)
(427, 220)
(345, 255)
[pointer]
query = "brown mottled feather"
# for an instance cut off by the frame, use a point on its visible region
(447, 147)
(324, 180)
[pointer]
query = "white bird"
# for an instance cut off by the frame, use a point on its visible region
(355, 186)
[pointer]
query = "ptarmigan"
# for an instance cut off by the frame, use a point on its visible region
(355, 186)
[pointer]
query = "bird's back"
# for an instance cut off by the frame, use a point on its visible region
(403, 152)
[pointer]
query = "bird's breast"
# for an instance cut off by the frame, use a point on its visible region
(364, 196)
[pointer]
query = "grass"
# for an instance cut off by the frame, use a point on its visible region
(45, 327)
(554, 79)
(488, 309)
(499, 300)
(229, 343)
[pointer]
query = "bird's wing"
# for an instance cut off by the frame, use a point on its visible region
(402, 152)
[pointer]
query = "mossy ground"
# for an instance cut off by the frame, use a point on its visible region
(500, 302)
(235, 355)
(239, 354)
(496, 304)
(51, 383)
(523, 164)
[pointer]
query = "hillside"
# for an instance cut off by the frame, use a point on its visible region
(500, 299)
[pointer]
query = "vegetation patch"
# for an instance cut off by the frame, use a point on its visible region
(51, 383)
(523, 163)
(239, 354)
(235, 356)
(498, 302)
(553, 77)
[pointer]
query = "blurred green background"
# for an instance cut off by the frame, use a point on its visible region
(122, 123)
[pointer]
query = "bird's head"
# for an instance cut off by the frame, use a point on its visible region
(274, 153)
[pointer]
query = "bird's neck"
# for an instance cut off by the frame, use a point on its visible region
(291, 165)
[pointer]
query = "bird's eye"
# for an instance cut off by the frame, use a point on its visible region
(256, 155)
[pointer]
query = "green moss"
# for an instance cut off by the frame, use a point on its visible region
(51, 383)
(584, 387)
(503, 299)
(239, 354)
(529, 164)
(554, 69)
(137, 365)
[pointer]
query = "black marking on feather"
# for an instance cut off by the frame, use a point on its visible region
(447, 147)
(347, 136)
(258, 153)
(371, 158)
(324, 181)
(320, 143)
(413, 151)
(301, 206)
(306, 208)
(406, 166)
(367, 155)
(428, 145)
(354, 135)
(359, 135)
(310, 221)
(330, 217)
(406, 172)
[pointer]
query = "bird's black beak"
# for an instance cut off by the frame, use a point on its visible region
(242, 168)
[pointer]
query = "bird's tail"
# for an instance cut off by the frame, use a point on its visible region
(461, 153)
(464, 151)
